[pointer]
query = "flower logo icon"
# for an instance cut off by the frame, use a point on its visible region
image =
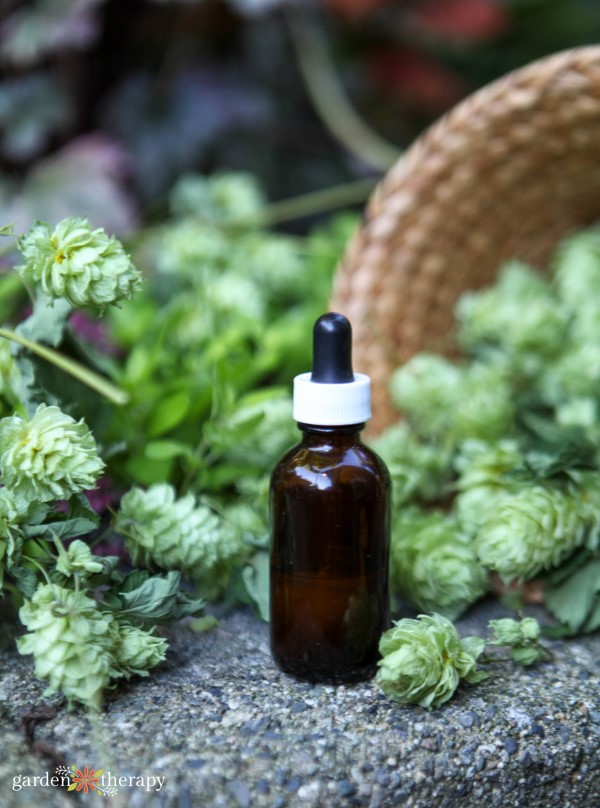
(86, 780)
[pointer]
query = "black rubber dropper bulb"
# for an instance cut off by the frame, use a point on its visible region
(332, 350)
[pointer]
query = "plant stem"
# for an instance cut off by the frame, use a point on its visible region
(338, 196)
(330, 99)
(75, 369)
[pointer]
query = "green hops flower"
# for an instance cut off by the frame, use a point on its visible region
(193, 250)
(483, 408)
(10, 377)
(418, 470)
(517, 316)
(452, 402)
(535, 529)
(135, 650)
(425, 659)
(576, 270)
(78, 559)
(70, 639)
(522, 637)
(228, 197)
(85, 266)
(482, 482)
(434, 565)
(11, 538)
(177, 534)
(256, 430)
(52, 456)
(425, 388)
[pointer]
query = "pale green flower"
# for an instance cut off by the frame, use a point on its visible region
(576, 374)
(256, 431)
(425, 659)
(193, 250)
(522, 636)
(518, 316)
(576, 270)
(483, 482)
(11, 538)
(434, 565)
(453, 403)
(85, 266)
(78, 559)
(419, 470)
(71, 641)
(179, 534)
(483, 407)
(275, 263)
(535, 529)
(232, 196)
(135, 650)
(425, 388)
(10, 377)
(51, 456)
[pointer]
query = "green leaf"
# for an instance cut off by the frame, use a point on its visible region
(168, 414)
(256, 580)
(203, 624)
(25, 579)
(572, 601)
(152, 599)
(148, 471)
(166, 449)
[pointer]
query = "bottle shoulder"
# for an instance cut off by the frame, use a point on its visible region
(351, 461)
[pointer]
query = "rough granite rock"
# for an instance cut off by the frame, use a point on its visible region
(226, 728)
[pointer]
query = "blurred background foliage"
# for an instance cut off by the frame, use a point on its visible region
(118, 111)
(104, 104)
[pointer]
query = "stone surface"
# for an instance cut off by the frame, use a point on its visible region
(226, 728)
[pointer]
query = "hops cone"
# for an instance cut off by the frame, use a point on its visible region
(85, 266)
(52, 456)
(535, 529)
(176, 534)
(70, 639)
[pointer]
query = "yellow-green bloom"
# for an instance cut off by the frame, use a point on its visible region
(518, 317)
(10, 533)
(10, 377)
(535, 529)
(419, 470)
(228, 197)
(86, 267)
(78, 559)
(51, 456)
(135, 650)
(522, 636)
(483, 482)
(434, 565)
(178, 534)
(425, 659)
(71, 641)
(425, 388)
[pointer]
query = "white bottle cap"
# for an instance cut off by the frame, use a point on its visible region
(332, 404)
(332, 395)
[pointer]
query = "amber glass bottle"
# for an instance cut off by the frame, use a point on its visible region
(330, 525)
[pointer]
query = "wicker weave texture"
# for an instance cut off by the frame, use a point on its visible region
(505, 174)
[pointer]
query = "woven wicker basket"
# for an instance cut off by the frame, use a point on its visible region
(506, 173)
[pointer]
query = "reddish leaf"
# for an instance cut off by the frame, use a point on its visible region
(414, 77)
(461, 19)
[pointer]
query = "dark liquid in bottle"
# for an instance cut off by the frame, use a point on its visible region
(329, 557)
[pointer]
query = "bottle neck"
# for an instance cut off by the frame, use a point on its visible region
(346, 433)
